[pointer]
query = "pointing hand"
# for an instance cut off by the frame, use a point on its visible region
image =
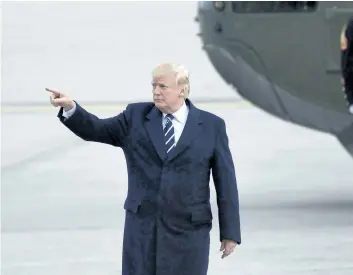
(59, 99)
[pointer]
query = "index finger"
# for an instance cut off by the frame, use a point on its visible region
(56, 92)
(226, 254)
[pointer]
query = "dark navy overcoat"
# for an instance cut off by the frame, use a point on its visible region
(347, 62)
(168, 213)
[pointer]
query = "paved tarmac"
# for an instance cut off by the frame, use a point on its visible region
(62, 214)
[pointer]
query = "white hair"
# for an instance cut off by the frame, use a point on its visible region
(179, 71)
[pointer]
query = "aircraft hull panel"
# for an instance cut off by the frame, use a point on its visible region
(275, 100)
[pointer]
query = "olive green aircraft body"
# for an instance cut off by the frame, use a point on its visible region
(284, 57)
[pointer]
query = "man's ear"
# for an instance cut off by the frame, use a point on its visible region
(182, 93)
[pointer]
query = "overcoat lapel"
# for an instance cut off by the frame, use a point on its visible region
(190, 132)
(154, 128)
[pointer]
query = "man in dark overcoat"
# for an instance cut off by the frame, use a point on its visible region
(170, 147)
(347, 62)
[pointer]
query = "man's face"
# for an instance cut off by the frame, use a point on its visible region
(166, 93)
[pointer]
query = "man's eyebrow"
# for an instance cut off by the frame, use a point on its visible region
(160, 84)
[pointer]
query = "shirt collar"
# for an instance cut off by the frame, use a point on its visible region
(181, 114)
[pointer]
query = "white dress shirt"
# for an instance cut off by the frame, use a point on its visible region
(179, 120)
(70, 112)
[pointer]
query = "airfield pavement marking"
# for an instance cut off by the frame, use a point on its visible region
(119, 106)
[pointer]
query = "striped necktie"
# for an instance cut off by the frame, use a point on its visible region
(169, 139)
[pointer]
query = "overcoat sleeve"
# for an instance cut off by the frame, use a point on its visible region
(224, 178)
(89, 127)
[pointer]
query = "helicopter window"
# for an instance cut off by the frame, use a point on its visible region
(273, 6)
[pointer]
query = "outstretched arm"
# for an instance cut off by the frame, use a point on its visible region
(89, 127)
